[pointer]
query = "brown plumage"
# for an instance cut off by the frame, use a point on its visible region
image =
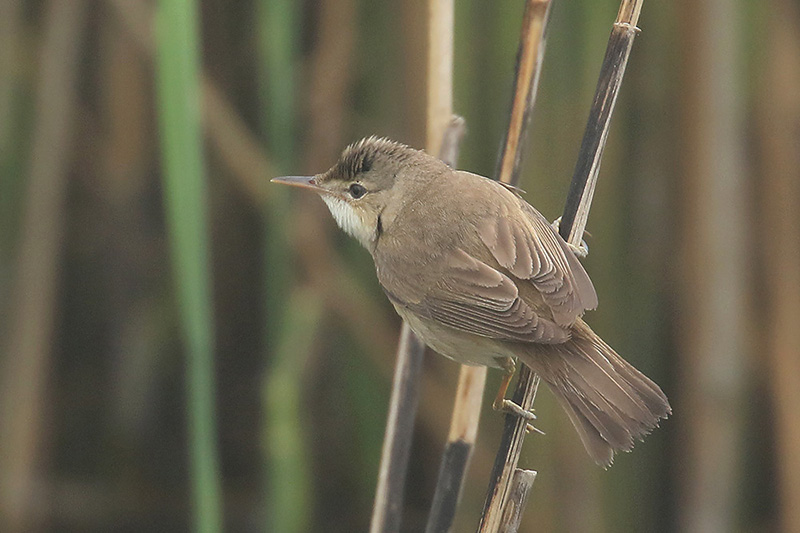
(481, 277)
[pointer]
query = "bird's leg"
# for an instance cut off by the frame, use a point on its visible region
(500, 402)
(580, 251)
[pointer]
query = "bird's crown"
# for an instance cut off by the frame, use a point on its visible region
(360, 156)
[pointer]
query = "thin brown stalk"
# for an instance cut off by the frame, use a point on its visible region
(396, 451)
(573, 224)
(405, 397)
(330, 76)
(442, 132)
(584, 179)
(529, 64)
(440, 72)
(520, 488)
(459, 448)
(712, 294)
(780, 237)
(526, 83)
(466, 411)
(24, 367)
(501, 481)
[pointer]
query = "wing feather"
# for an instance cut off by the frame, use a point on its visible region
(520, 281)
(473, 297)
(530, 249)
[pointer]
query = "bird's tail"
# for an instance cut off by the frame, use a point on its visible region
(609, 402)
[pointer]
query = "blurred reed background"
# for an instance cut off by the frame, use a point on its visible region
(174, 330)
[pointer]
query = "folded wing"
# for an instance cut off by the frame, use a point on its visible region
(529, 249)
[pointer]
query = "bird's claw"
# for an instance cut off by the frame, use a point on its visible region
(530, 428)
(507, 406)
(582, 250)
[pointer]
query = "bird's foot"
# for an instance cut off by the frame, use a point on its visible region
(500, 402)
(580, 251)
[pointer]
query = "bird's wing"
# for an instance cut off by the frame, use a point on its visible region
(471, 296)
(519, 281)
(530, 249)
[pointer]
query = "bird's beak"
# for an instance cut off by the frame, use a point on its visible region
(305, 182)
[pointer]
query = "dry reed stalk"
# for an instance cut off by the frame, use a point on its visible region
(396, 451)
(440, 73)
(24, 367)
(581, 190)
(331, 68)
(472, 380)
(778, 120)
(441, 132)
(403, 403)
(471, 384)
(712, 339)
(458, 451)
(573, 224)
(529, 64)
(520, 488)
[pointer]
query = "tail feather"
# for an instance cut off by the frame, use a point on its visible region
(601, 439)
(610, 403)
(604, 418)
(654, 398)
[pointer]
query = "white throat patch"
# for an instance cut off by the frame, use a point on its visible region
(348, 220)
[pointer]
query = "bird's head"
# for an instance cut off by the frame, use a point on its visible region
(368, 185)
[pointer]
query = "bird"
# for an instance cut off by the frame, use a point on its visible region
(481, 277)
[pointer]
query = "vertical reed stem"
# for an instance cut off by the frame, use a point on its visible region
(529, 64)
(185, 198)
(387, 510)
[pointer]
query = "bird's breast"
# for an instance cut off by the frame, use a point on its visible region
(462, 347)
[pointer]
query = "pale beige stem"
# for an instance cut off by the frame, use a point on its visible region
(24, 367)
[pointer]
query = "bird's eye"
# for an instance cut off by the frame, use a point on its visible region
(357, 190)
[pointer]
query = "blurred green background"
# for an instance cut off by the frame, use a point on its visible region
(184, 346)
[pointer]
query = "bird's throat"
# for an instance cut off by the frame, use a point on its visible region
(349, 220)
